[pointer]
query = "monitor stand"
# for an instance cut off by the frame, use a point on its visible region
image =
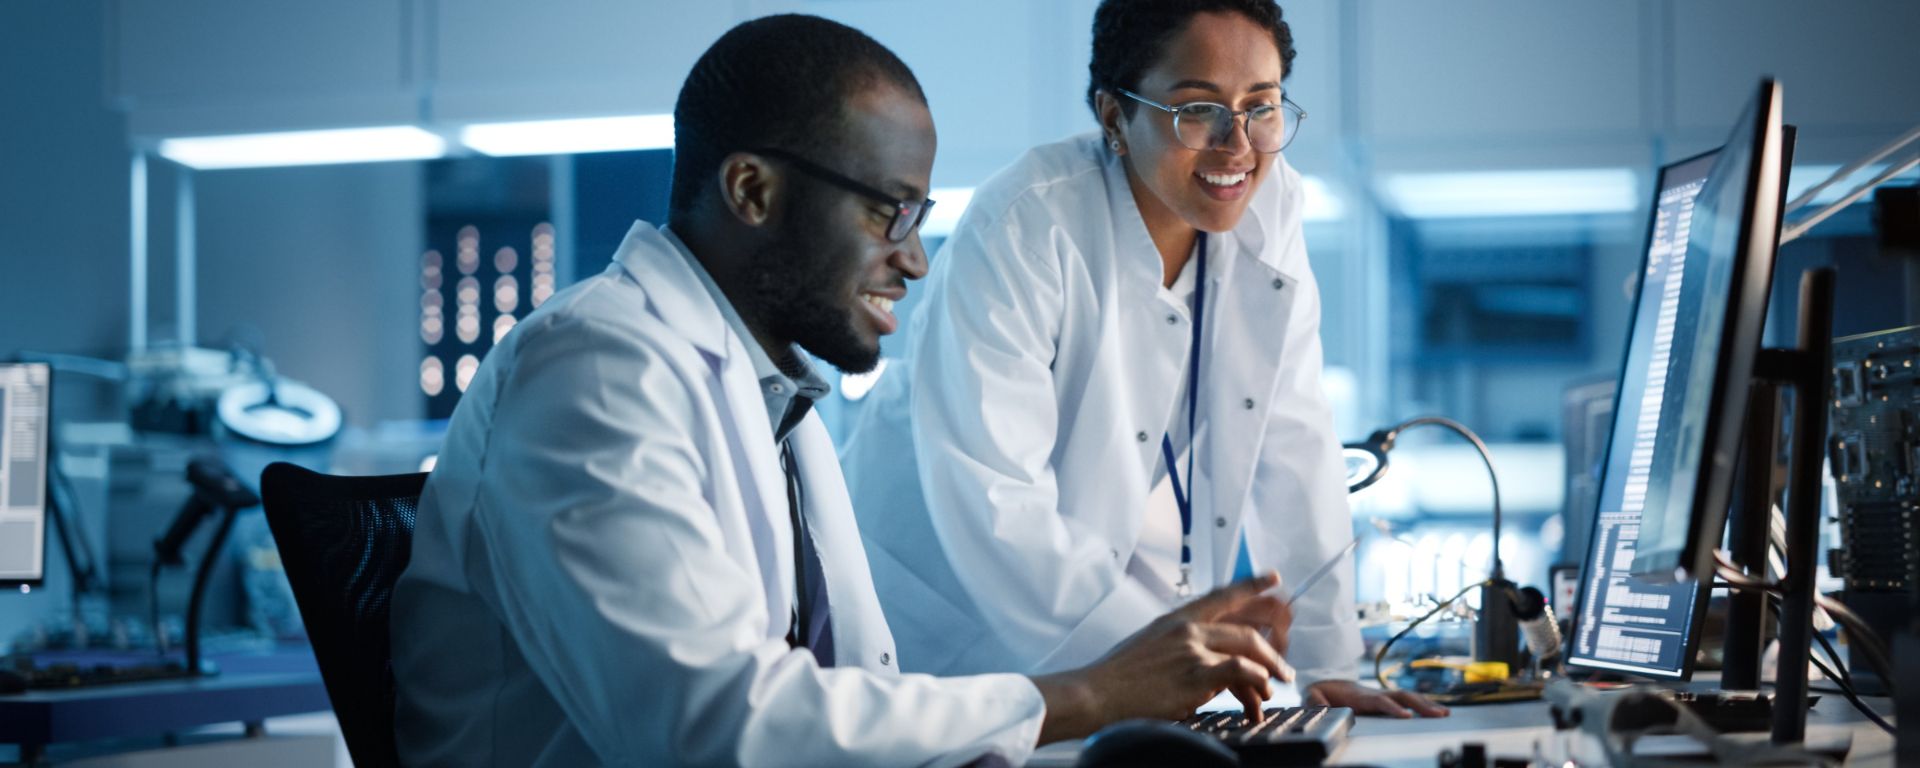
(1803, 369)
(1906, 702)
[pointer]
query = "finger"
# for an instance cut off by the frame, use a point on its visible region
(1245, 642)
(1231, 596)
(1263, 609)
(1420, 704)
(1252, 701)
(1279, 631)
(1253, 688)
(1317, 699)
(1385, 705)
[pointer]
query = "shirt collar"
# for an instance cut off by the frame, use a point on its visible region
(797, 383)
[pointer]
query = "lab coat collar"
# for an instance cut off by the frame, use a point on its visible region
(648, 255)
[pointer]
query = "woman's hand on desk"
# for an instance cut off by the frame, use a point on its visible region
(1371, 701)
(1173, 665)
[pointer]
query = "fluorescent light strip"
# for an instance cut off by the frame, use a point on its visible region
(1512, 193)
(569, 137)
(344, 145)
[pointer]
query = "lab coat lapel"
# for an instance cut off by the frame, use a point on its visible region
(1155, 369)
(860, 634)
(1249, 329)
(680, 301)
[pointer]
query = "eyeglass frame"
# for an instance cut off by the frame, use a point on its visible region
(1232, 114)
(901, 208)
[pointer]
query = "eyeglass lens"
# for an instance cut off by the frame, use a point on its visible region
(906, 218)
(1207, 126)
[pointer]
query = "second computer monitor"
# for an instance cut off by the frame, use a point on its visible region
(24, 425)
(1623, 624)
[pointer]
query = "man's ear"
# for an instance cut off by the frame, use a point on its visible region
(749, 187)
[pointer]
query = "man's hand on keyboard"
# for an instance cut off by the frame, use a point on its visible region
(1371, 701)
(1268, 612)
(1172, 666)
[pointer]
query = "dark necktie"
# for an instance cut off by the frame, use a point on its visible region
(811, 628)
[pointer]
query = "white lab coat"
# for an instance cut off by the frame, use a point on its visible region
(603, 567)
(1001, 471)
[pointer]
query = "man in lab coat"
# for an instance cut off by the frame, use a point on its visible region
(637, 547)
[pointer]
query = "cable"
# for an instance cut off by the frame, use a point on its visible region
(1847, 691)
(1846, 675)
(1861, 636)
(1864, 638)
(1737, 578)
(1378, 656)
(1845, 682)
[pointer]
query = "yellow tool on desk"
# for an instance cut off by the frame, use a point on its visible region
(1482, 682)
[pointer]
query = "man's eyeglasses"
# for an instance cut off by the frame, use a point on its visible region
(1204, 125)
(907, 214)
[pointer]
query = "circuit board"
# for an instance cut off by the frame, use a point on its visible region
(1874, 450)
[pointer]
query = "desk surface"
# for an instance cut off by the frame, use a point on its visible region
(1511, 730)
(254, 688)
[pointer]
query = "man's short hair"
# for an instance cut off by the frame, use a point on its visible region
(779, 81)
(1129, 36)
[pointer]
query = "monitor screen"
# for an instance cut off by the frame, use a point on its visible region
(24, 425)
(1693, 352)
(1624, 624)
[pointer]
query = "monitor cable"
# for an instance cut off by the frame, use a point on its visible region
(1864, 638)
(1843, 682)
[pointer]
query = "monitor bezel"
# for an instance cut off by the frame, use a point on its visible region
(1740, 339)
(1697, 619)
(46, 480)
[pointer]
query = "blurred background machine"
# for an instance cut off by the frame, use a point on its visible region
(1874, 454)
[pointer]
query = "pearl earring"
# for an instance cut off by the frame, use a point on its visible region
(1115, 143)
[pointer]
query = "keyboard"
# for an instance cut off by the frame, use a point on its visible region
(22, 673)
(1288, 735)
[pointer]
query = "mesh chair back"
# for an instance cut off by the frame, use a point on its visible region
(343, 542)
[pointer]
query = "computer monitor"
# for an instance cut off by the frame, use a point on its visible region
(25, 419)
(1623, 624)
(1683, 431)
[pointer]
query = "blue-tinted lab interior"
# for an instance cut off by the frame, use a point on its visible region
(1480, 179)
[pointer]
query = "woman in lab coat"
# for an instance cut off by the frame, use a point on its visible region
(1115, 374)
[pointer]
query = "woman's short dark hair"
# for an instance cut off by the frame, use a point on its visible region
(779, 81)
(1130, 35)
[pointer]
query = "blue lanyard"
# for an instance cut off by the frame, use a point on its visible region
(1183, 492)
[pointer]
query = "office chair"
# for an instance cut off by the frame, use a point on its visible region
(343, 542)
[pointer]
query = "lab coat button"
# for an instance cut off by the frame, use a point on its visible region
(886, 659)
(1219, 522)
(1279, 283)
(1116, 553)
(1249, 403)
(1142, 437)
(1173, 319)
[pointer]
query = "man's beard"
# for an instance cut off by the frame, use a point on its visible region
(794, 288)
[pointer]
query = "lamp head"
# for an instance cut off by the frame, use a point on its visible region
(1367, 460)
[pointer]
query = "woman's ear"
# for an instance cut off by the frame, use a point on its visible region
(1112, 121)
